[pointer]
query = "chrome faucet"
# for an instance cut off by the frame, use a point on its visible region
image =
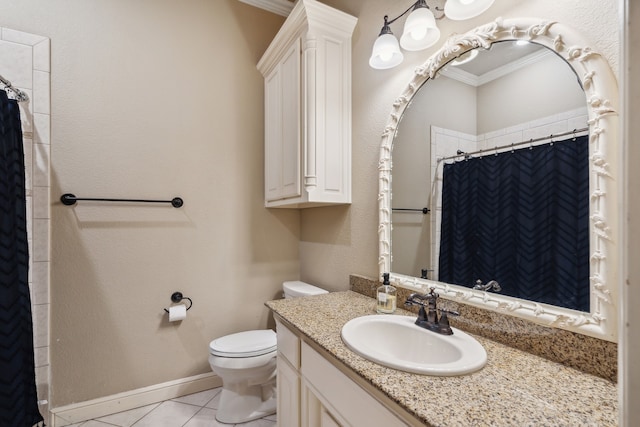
(492, 285)
(428, 318)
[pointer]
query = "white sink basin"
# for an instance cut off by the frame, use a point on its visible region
(396, 342)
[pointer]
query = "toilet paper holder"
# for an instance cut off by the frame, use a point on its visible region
(177, 297)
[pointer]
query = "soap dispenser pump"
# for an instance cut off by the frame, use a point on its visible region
(386, 296)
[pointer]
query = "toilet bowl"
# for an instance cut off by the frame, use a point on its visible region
(246, 363)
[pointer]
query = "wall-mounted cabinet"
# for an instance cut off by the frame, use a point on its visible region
(307, 71)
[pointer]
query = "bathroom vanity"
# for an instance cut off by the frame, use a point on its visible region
(323, 383)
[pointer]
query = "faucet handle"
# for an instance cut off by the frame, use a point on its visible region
(449, 312)
(443, 324)
(422, 314)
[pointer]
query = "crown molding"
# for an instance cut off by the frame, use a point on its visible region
(279, 7)
(465, 77)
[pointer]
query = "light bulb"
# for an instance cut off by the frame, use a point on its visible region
(386, 52)
(418, 33)
(385, 55)
(420, 30)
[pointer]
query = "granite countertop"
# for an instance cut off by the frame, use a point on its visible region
(515, 388)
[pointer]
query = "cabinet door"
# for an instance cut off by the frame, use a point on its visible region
(291, 140)
(273, 136)
(342, 399)
(288, 386)
(282, 128)
(327, 420)
(313, 412)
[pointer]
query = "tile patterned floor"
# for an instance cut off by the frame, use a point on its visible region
(194, 410)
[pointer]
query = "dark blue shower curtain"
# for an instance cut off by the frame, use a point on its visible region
(521, 218)
(18, 399)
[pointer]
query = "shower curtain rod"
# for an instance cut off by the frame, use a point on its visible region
(20, 95)
(529, 141)
(423, 210)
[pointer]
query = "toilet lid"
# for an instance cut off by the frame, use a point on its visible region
(296, 288)
(244, 344)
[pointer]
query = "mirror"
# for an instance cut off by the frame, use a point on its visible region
(424, 128)
(503, 212)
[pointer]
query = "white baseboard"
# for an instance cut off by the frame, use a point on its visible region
(78, 412)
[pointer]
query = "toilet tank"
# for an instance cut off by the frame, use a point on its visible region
(296, 289)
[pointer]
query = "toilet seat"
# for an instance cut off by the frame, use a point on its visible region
(244, 344)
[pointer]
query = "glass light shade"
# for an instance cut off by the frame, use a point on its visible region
(459, 10)
(386, 52)
(420, 30)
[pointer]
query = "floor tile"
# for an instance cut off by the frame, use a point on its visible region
(199, 399)
(262, 422)
(95, 423)
(205, 418)
(194, 410)
(214, 403)
(128, 418)
(168, 414)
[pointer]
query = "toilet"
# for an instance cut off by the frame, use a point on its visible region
(246, 362)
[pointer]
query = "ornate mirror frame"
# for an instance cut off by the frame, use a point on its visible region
(605, 185)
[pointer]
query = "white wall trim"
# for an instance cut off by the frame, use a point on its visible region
(90, 409)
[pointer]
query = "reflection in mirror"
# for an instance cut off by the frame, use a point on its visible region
(513, 213)
(450, 115)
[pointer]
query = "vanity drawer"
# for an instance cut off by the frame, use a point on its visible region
(288, 345)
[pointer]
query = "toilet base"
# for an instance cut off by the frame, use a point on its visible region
(242, 402)
(248, 387)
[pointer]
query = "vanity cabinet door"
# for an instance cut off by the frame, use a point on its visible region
(288, 385)
(314, 413)
(342, 402)
(288, 377)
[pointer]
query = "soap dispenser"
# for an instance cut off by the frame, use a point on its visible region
(386, 296)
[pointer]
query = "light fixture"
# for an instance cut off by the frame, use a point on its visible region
(459, 10)
(420, 29)
(386, 51)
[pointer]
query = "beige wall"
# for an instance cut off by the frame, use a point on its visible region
(411, 234)
(154, 99)
(549, 87)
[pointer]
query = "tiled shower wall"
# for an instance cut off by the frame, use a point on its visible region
(25, 62)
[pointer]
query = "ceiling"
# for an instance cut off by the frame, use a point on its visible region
(503, 58)
(499, 55)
